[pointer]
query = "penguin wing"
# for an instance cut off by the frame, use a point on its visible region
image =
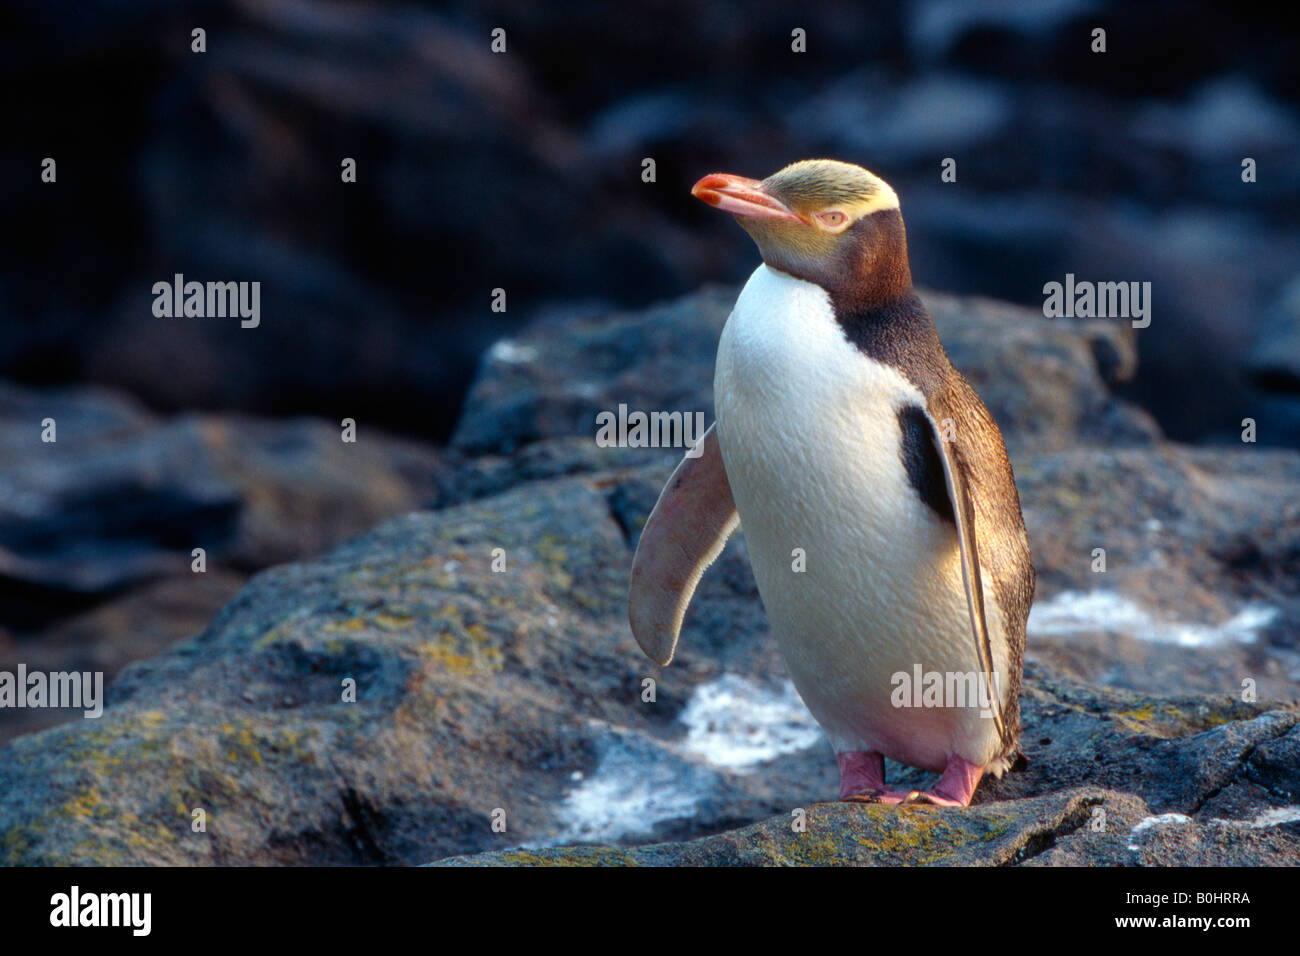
(963, 509)
(685, 533)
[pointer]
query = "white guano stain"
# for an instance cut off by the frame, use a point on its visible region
(737, 725)
(1273, 817)
(1073, 612)
(733, 725)
(1150, 823)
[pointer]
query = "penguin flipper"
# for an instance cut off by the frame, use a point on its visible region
(685, 533)
(963, 509)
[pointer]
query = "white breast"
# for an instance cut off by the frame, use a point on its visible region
(809, 432)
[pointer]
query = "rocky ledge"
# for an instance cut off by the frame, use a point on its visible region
(459, 684)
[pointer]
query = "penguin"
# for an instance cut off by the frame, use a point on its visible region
(878, 504)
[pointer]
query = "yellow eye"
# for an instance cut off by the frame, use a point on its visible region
(833, 219)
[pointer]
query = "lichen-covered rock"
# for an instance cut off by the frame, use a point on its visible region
(1198, 588)
(463, 680)
(843, 834)
(98, 526)
(518, 696)
(139, 624)
(1083, 826)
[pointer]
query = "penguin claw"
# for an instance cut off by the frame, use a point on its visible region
(918, 797)
(875, 796)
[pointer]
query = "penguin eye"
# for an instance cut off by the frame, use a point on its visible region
(832, 219)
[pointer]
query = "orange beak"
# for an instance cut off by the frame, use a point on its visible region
(741, 197)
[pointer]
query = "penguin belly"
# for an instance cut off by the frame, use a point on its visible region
(809, 432)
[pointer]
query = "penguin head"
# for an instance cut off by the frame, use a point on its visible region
(829, 222)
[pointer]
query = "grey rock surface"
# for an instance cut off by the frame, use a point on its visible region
(521, 692)
(495, 678)
(250, 492)
(1045, 381)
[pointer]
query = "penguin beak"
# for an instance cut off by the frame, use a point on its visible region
(741, 197)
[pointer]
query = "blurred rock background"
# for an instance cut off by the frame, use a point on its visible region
(522, 171)
(523, 690)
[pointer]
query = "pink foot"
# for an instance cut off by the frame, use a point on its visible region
(955, 787)
(862, 778)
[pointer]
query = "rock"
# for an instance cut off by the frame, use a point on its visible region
(1201, 587)
(1272, 765)
(514, 666)
(140, 624)
(522, 692)
(122, 497)
(1047, 382)
(97, 528)
(1042, 379)
(226, 166)
(1166, 753)
(261, 122)
(1274, 363)
(865, 115)
(1053, 830)
(554, 378)
(841, 834)
(86, 415)
(482, 690)
(495, 677)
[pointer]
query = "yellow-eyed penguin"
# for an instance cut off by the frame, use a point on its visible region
(843, 430)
